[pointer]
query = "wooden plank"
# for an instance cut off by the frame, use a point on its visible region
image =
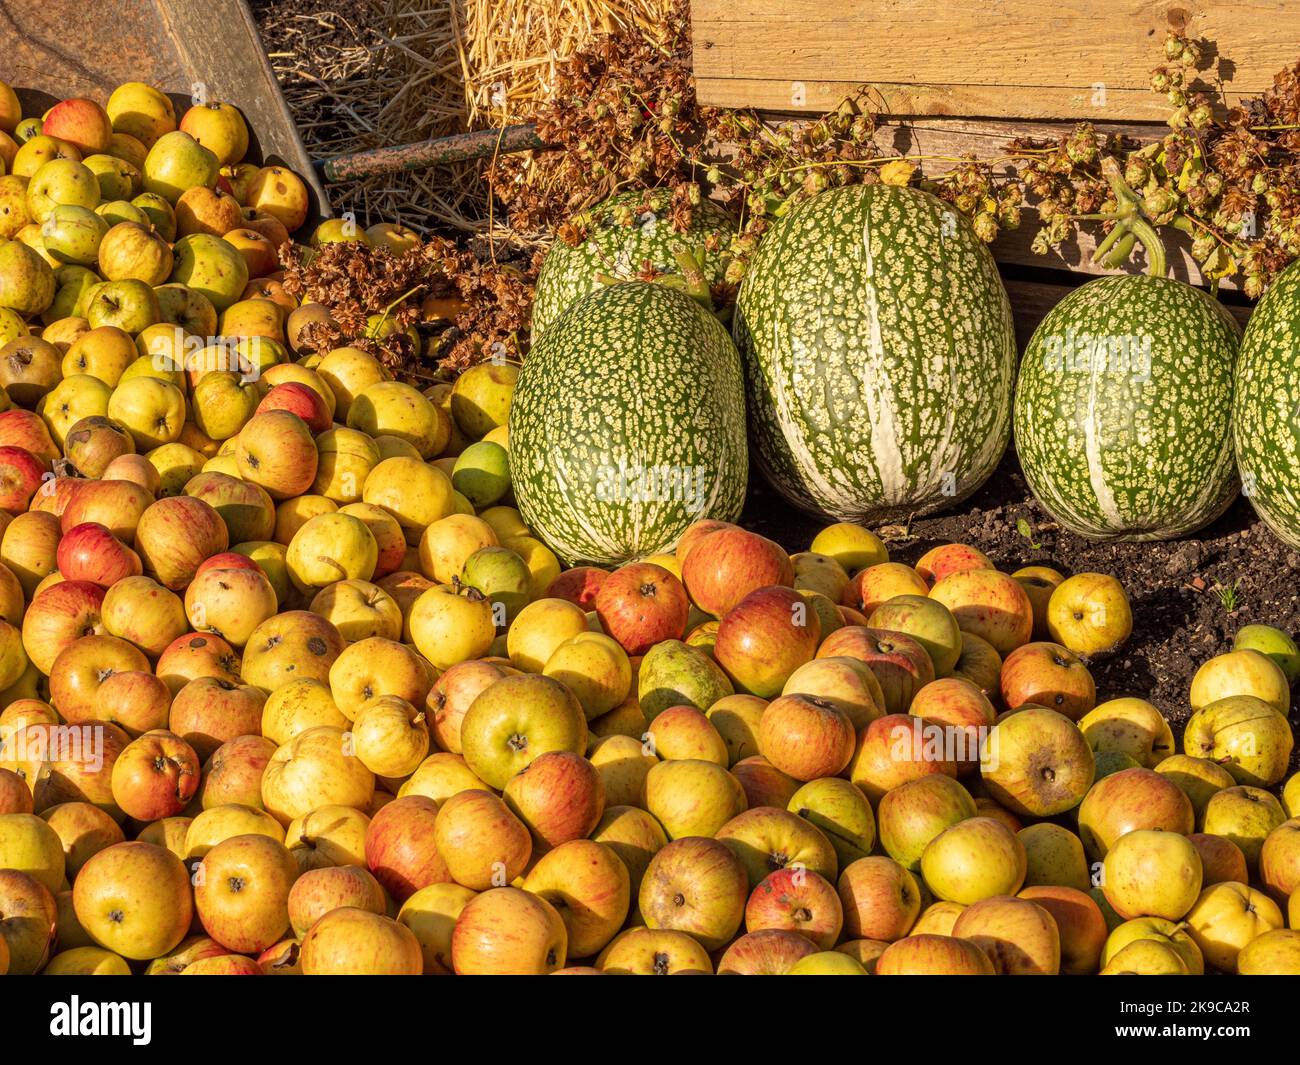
(54, 49)
(1012, 58)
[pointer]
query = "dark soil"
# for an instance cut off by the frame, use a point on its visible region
(1175, 587)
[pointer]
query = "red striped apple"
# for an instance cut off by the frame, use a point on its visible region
(765, 637)
(639, 605)
(727, 564)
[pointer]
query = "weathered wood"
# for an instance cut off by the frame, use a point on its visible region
(1011, 58)
(59, 48)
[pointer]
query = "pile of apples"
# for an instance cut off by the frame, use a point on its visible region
(288, 686)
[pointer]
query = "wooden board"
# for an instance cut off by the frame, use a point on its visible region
(59, 48)
(1077, 59)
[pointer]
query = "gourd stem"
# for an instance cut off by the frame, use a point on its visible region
(1128, 207)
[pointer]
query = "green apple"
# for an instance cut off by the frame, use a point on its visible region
(26, 280)
(838, 807)
(515, 720)
(60, 181)
(12, 326)
(13, 206)
(160, 213)
(482, 473)
(73, 234)
(115, 211)
(74, 285)
(499, 573)
(675, 674)
(192, 311)
(211, 266)
(177, 162)
(928, 622)
(27, 129)
(130, 305)
(1272, 642)
(118, 179)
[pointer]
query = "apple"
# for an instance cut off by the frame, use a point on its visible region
(684, 732)
(767, 952)
(241, 892)
(80, 122)
(129, 251)
(876, 585)
(1246, 735)
(1174, 935)
(1129, 800)
(839, 809)
(401, 848)
(1197, 778)
(276, 451)
(233, 774)
(819, 573)
(155, 776)
(589, 887)
(15, 795)
(1146, 957)
(1221, 859)
(764, 638)
(329, 835)
(623, 765)
(431, 914)
(1242, 672)
(28, 924)
(90, 552)
(1275, 953)
(317, 892)
(134, 899)
(673, 673)
(639, 605)
(806, 737)
(900, 664)
(483, 843)
(852, 546)
(1246, 816)
(926, 621)
(293, 645)
(441, 776)
(961, 710)
(451, 696)
(691, 797)
(175, 535)
(1019, 936)
(29, 845)
(730, 563)
(517, 719)
(763, 784)
(580, 586)
(766, 838)
(1089, 614)
(1079, 922)
(447, 626)
(508, 931)
(1272, 642)
(82, 667)
(881, 899)
(655, 952)
(1054, 857)
(975, 859)
(1226, 918)
(350, 941)
(595, 668)
(897, 748)
(796, 900)
(67, 763)
(559, 796)
(1046, 674)
(697, 886)
(1279, 860)
(911, 815)
(208, 711)
(989, 604)
(1037, 763)
(1149, 873)
(314, 769)
(26, 280)
(931, 955)
(847, 683)
(1129, 726)
(828, 963)
(117, 504)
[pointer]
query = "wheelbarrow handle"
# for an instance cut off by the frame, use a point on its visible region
(479, 144)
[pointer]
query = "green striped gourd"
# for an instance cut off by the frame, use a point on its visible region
(1266, 408)
(628, 424)
(624, 233)
(879, 355)
(1123, 409)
